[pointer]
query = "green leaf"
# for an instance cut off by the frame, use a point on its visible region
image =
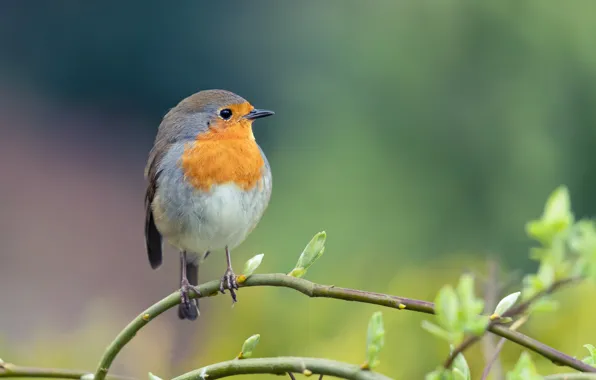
(539, 253)
(524, 369)
(465, 288)
(478, 325)
(583, 234)
(591, 360)
(153, 377)
(539, 282)
(583, 242)
(434, 375)
(440, 374)
(556, 217)
(506, 303)
(532, 285)
(436, 331)
(252, 264)
(539, 230)
(586, 237)
(461, 370)
(469, 305)
(558, 207)
(249, 346)
(375, 339)
(458, 312)
(581, 268)
(459, 375)
(591, 349)
(447, 308)
(313, 250)
(546, 274)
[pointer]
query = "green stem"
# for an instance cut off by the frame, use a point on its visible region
(8, 370)
(312, 289)
(281, 366)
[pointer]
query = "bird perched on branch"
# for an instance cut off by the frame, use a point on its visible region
(209, 184)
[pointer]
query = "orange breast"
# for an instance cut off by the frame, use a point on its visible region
(214, 161)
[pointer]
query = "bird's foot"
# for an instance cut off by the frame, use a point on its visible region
(228, 281)
(189, 308)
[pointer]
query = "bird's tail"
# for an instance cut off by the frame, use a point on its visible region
(192, 274)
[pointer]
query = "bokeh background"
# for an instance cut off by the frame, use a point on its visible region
(420, 135)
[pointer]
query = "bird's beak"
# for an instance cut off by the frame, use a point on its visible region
(257, 114)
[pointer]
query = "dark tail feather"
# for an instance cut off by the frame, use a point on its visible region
(153, 240)
(192, 274)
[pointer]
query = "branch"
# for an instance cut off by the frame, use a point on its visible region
(548, 352)
(281, 366)
(312, 289)
(555, 356)
(12, 371)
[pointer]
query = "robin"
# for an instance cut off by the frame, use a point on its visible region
(209, 184)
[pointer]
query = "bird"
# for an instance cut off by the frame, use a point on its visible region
(208, 186)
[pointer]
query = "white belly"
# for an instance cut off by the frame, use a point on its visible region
(211, 221)
(218, 220)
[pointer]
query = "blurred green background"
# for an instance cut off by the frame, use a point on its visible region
(420, 135)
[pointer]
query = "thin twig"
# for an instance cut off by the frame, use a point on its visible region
(467, 342)
(291, 375)
(312, 289)
(282, 366)
(517, 324)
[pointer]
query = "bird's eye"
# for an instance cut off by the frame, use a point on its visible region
(225, 114)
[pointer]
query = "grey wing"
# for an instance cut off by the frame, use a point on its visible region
(267, 182)
(153, 239)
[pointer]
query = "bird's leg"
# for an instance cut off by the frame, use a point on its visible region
(186, 286)
(228, 281)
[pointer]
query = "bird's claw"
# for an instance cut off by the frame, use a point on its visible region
(228, 281)
(185, 288)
